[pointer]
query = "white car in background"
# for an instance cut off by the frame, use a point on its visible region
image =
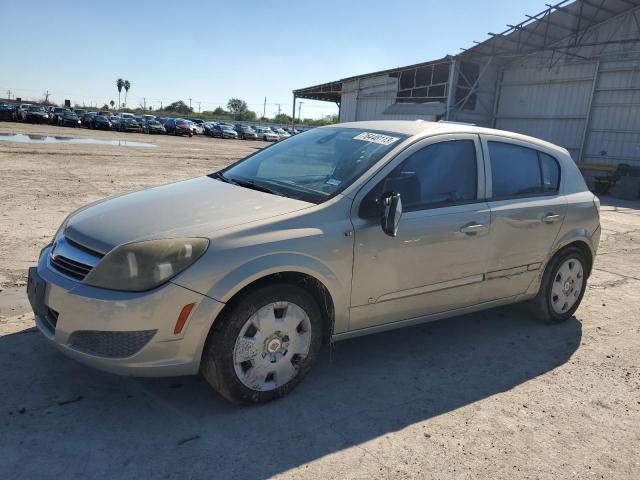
(195, 128)
(282, 133)
(266, 134)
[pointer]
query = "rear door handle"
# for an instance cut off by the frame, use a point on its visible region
(473, 228)
(551, 218)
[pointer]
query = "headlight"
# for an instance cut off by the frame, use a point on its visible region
(140, 266)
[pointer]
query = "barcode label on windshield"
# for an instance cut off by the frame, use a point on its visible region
(376, 138)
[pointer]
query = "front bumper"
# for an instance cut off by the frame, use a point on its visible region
(72, 316)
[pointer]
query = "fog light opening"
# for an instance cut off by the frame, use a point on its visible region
(182, 318)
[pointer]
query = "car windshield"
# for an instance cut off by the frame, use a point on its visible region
(315, 165)
(37, 109)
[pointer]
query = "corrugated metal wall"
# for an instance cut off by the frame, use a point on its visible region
(592, 108)
(368, 98)
(547, 103)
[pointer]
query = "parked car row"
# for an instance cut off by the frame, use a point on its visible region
(128, 122)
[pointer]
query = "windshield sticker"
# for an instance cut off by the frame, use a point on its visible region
(376, 138)
(333, 181)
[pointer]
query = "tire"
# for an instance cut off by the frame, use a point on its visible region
(563, 272)
(272, 355)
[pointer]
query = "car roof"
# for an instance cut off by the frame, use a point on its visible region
(424, 129)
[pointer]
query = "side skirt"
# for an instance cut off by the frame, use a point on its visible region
(429, 318)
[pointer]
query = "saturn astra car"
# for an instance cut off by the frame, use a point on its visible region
(337, 232)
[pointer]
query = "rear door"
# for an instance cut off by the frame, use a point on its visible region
(527, 211)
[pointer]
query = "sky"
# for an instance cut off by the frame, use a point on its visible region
(211, 51)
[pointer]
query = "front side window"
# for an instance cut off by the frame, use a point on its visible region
(520, 171)
(439, 175)
(315, 165)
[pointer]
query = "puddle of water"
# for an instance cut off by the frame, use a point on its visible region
(19, 137)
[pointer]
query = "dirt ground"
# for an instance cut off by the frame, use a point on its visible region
(491, 395)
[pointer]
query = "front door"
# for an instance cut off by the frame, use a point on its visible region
(437, 261)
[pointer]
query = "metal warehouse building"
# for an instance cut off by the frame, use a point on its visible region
(570, 75)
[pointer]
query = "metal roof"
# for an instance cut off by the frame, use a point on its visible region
(543, 32)
(332, 91)
(565, 22)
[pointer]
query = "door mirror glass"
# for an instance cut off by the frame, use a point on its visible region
(391, 213)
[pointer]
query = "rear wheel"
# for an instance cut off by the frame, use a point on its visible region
(562, 287)
(264, 346)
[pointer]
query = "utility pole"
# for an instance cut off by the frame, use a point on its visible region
(189, 103)
(299, 108)
(144, 102)
(198, 106)
(264, 108)
(278, 109)
(160, 104)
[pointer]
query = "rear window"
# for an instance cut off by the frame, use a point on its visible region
(520, 171)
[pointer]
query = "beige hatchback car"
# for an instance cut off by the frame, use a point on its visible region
(337, 232)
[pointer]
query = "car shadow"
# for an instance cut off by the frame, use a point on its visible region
(61, 419)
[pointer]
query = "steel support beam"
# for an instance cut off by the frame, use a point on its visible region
(587, 120)
(451, 90)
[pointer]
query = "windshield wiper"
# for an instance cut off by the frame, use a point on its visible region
(254, 186)
(220, 176)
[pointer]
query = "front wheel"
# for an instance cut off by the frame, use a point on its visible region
(562, 288)
(264, 345)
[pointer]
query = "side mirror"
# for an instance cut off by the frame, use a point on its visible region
(391, 213)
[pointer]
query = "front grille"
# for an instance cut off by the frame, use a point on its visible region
(110, 344)
(70, 267)
(73, 259)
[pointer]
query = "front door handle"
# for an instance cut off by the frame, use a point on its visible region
(473, 228)
(551, 218)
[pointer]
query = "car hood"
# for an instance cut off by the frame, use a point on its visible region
(191, 208)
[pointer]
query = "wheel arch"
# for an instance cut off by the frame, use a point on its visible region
(581, 243)
(327, 288)
(316, 288)
(580, 239)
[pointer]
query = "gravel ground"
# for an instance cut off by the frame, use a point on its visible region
(492, 395)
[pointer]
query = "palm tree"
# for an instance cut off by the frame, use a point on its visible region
(112, 103)
(119, 84)
(127, 86)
